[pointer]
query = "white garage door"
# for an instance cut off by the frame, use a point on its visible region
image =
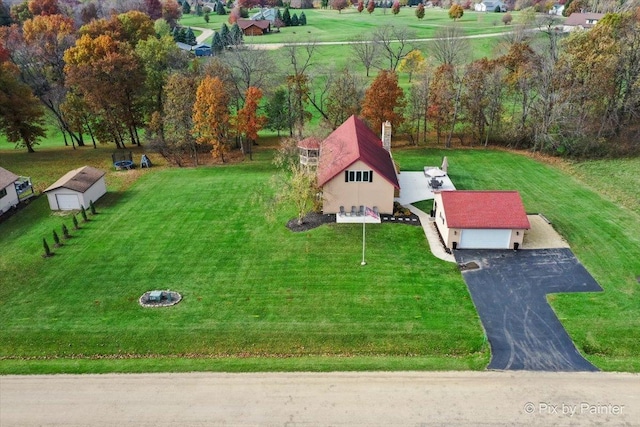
(67, 202)
(485, 239)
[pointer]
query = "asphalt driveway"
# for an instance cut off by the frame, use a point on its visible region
(509, 291)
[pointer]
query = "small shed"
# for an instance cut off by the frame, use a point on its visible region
(480, 219)
(254, 28)
(77, 189)
(8, 193)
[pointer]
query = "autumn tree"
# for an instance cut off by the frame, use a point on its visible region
(250, 67)
(371, 6)
(177, 118)
(455, 12)
(420, 11)
(395, 9)
(44, 7)
(344, 98)
(360, 6)
(38, 52)
(211, 115)
(411, 63)
(442, 94)
(21, 114)
(298, 82)
(507, 18)
(171, 12)
(248, 121)
(153, 9)
(339, 5)
(109, 76)
(384, 100)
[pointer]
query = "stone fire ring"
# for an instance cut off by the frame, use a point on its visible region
(158, 298)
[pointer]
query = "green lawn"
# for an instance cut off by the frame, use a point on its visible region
(258, 297)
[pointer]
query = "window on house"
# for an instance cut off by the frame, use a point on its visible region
(358, 176)
(3, 193)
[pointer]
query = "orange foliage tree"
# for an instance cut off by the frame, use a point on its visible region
(248, 121)
(384, 100)
(211, 115)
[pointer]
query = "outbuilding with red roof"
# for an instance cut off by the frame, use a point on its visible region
(356, 170)
(480, 219)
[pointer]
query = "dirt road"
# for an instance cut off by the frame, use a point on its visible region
(310, 399)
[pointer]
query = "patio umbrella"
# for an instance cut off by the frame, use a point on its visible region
(445, 164)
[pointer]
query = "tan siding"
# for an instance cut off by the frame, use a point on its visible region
(338, 193)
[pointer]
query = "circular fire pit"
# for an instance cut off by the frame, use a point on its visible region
(159, 298)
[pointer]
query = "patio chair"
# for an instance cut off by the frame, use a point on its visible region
(353, 211)
(361, 211)
(342, 212)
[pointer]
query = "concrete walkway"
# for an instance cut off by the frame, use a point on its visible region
(206, 33)
(415, 188)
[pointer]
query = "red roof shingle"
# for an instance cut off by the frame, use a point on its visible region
(484, 209)
(350, 142)
(311, 143)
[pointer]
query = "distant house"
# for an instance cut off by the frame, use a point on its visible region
(254, 28)
(8, 193)
(184, 46)
(556, 9)
(309, 149)
(76, 189)
(582, 21)
(356, 170)
(267, 14)
(490, 6)
(480, 219)
(301, 4)
(202, 49)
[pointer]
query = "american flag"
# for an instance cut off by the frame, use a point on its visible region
(370, 212)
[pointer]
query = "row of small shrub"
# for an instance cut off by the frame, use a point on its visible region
(65, 230)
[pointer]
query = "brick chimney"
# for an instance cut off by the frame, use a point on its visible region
(386, 135)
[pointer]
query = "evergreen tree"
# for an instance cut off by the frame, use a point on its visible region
(225, 37)
(5, 15)
(186, 7)
(65, 232)
(303, 19)
(286, 17)
(75, 222)
(279, 15)
(190, 37)
(207, 17)
(83, 212)
(217, 45)
(92, 207)
(182, 35)
(236, 35)
(47, 251)
(277, 111)
(220, 9)
(56, 239)
(294, 20)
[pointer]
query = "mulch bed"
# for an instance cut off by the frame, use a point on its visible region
(310, 221)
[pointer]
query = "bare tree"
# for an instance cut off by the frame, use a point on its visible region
(298, 80)
(418, 104)
(250, 68)
(450, 46)
(394, 43)
(366, 51)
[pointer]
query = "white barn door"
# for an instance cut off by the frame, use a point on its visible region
(484, 239)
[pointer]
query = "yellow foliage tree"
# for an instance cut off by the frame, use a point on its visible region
(211, 115)
(412, 63)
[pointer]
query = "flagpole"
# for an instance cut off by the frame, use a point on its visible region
(364, 220)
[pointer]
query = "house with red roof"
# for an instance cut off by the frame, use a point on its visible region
(480, 219)
(355, 169)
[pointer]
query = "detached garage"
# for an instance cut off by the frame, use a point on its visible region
(76, 189)
(480, 219)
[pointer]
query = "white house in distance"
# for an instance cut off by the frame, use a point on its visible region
(480, 219)
(76, 189)
(8, 193)
(356, 169)
(490, 6)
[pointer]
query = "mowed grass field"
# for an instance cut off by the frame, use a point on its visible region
(259, 297)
